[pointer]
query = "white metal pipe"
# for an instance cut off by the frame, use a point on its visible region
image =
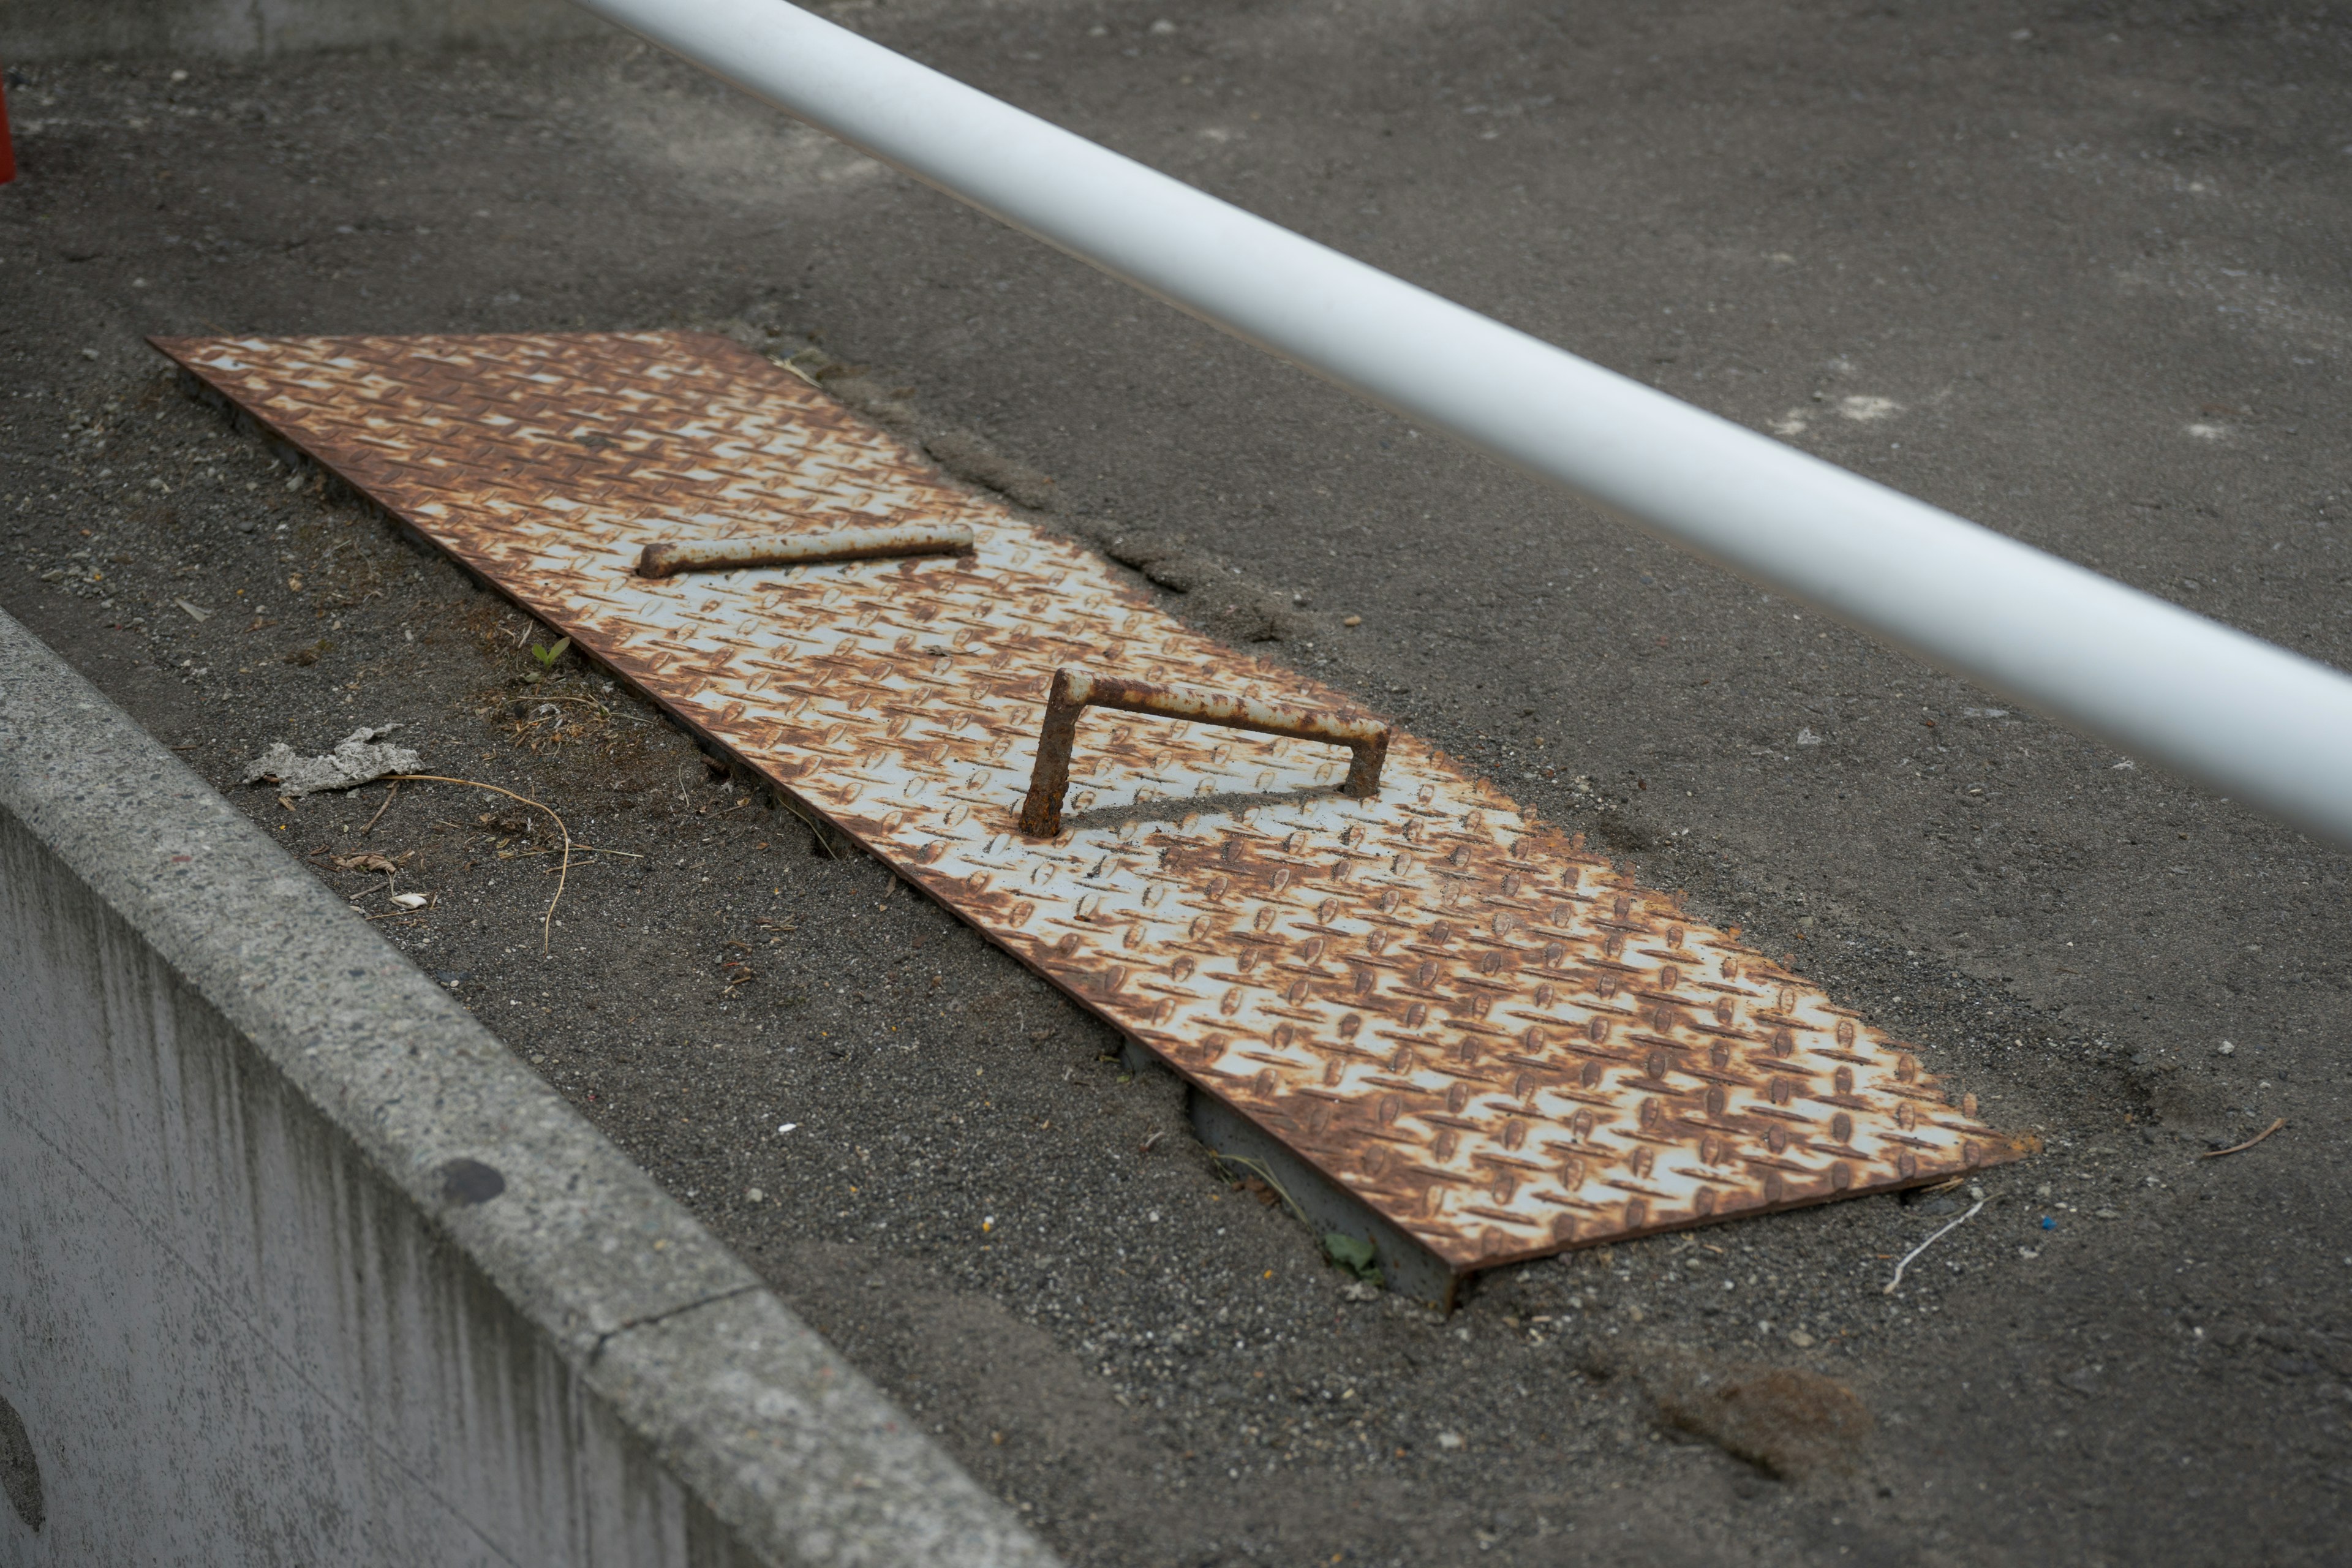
(2247, 718)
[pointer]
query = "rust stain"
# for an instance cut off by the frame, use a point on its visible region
(1477, 1026)
(1075, 690)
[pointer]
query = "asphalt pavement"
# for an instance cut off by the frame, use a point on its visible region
(2077, 272)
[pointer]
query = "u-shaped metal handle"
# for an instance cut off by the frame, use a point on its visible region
(1076, 688)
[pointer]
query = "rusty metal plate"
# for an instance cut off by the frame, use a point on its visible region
(1451, 1010)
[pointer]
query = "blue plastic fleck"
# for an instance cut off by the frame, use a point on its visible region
(2049, 1224)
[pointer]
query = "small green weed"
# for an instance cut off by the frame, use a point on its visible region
(1352, 1254)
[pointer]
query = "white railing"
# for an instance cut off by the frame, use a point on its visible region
(2247, 718)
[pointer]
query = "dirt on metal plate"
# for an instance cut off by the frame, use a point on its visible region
(1487, 1034)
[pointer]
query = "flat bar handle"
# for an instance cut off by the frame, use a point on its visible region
(805, 549)
(1076, 688)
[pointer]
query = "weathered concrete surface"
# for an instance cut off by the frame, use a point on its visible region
(297, 1265)
(245, 29)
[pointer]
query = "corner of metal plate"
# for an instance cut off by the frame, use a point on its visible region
(1407, 1268)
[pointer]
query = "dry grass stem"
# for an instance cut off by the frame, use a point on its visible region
(815, 829)
(547, 920)
(380, 811)
(1924, 1245)
(2241, 1148)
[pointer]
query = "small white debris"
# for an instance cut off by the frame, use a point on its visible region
(1449, 1439)
(1868, 410)
(198, 611)
(356, 760)
(411, 900)
(1793, 422)
(1806, 738)
(2227, 1048)
(2205, 432)
(787, 1127)
(754, 1195)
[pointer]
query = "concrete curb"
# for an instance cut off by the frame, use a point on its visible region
(296, 1263)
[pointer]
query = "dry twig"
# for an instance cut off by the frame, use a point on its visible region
(2241, 1148)
(380, 810)
(547, 920)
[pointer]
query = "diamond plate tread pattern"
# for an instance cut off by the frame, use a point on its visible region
(1456, 1012)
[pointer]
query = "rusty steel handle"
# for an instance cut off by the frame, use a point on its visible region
(1076, 689)
(805, 549)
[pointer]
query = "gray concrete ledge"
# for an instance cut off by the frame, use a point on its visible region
(254, 29)
(261, 1299)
